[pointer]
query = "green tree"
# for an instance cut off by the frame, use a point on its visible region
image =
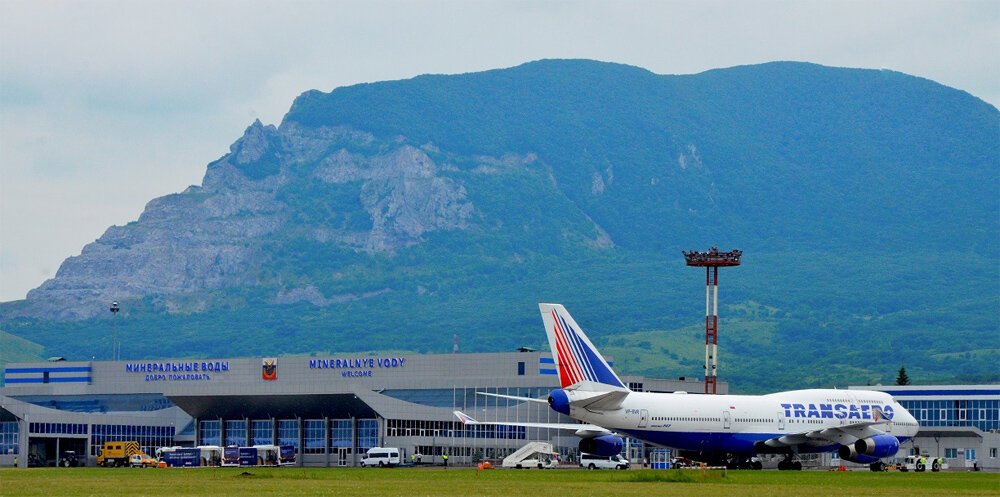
(901, 378)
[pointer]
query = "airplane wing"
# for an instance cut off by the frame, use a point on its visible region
(587, 399)
(514, 397)
(580, 430)
(842, 435)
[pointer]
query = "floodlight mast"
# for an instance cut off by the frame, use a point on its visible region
(711, 261)
(114, 330)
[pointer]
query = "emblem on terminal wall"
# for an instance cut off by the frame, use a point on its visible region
(269, 371)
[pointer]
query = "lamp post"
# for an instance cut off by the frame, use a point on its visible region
(114, 330)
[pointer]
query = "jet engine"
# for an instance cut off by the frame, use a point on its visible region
(878, 446)
(559, 402)
(849, 453)
(604, 445)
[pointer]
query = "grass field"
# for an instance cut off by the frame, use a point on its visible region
(223, 482)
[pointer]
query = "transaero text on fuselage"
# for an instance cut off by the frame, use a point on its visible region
(357, 363)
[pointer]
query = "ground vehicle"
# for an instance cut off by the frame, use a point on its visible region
(141, 460)
(231, 456)
(211, 455)
(162, 451)
(117, 453)
(264, 455)
(381, 457)
(533, 455)
(592, 461)
(68, 459)
(922, 463)
(181, 457)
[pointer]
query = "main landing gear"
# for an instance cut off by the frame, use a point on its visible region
(788, 464)
(744, 463)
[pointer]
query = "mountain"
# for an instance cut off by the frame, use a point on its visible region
(395, 215)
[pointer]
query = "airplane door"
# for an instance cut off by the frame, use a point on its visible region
(727, 420)
(781, 420)
(643, 418)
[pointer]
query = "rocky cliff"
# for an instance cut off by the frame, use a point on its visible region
(395, 215)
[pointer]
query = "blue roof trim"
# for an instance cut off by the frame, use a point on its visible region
(940, 392)
(546, 360)
(73, 369)
(68, 379)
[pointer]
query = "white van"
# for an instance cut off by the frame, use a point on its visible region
(381, 457)
(590, 461)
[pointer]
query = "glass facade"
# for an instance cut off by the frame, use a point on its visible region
(367, 434)
(100, 403)
(315, 435)
(983, 414)
(9, 432)
(262, 432)
(463, 398)
(312, 436)
(236, 432)
(58, 428)
(288, 433)
(209, 433)
(420, 428)
(149, 437)
(341, 434)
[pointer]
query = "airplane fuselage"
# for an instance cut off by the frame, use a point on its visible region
(739, 424)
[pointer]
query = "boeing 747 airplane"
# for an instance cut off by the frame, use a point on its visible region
(862, 426)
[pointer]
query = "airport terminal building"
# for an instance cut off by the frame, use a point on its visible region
(331, 409)
(960, 423)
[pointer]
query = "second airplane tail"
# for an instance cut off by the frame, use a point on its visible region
(576, 358)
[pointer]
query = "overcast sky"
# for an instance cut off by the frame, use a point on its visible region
(105, 105)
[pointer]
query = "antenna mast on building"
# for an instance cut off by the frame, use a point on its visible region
(711, 261)
(455, 350)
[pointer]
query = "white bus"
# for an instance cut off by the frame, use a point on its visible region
(381, 457)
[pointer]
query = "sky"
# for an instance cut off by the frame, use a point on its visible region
(106, 105)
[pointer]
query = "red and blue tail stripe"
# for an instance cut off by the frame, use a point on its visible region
(577, 358)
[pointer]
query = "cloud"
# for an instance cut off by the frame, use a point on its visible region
(105, 105)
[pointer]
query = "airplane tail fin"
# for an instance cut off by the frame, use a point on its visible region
(575, 357)
(465, 418)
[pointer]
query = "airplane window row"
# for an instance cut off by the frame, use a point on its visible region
(754, 420)
(668, 418)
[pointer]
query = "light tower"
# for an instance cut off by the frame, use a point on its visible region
(711, 261)
(114, 330)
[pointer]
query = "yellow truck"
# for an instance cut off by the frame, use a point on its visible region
(117, 453)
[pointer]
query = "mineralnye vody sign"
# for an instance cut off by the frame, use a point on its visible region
(204, 370)
(178, 370)
(359, 366)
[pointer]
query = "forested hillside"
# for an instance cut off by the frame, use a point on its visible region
(395, 215)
